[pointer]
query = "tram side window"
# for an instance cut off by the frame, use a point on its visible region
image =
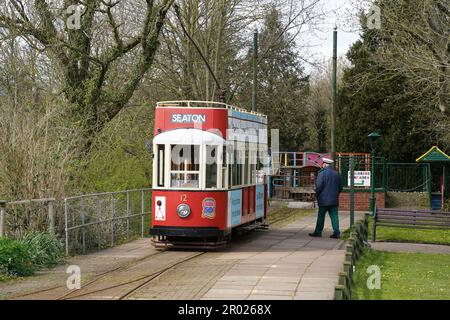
(185, 166)
(224, 168)
(211, 166)
(246, 163)
(160, 155)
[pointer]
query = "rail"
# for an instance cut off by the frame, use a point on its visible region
(203, 104)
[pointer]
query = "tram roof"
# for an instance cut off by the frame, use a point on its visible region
(204, 104)
(188, 136)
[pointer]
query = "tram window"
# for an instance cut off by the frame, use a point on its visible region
(185, 166)
(211, 166)
(239, 167)
(160, 174)
(224, 168)
(184, 180)
(185, 158)
(246, 176)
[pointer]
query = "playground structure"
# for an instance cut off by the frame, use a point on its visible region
(438, 163)
(293, 176)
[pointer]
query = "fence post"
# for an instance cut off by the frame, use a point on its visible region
(99, 236)
(51, 216)
(113, 208)
(65, 226)
(2, 217)
(128, 214)
(83, 230)
(142, 213)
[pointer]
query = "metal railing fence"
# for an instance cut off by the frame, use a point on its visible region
(19, 217)
(101, 220)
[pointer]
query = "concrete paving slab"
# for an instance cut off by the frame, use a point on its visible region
(288, 264)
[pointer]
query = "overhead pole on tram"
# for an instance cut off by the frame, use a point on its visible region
(333, 96)
(255, 71)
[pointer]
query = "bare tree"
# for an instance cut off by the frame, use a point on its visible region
(90, 41)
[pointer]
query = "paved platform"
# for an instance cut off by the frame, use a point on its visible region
(281, 263)
(410, 247)
(284, 264)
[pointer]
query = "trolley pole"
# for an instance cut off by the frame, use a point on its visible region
(255, 70)
(334, 88)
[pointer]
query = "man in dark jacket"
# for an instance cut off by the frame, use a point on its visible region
(328, 187)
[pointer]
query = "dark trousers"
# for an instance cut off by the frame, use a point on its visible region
(333, 211)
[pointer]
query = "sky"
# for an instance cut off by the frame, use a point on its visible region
(322, 41)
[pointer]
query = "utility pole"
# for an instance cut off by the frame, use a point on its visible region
(333, 130)
(255, 70)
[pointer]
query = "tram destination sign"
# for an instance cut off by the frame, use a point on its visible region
(362, 178)
(188, 118)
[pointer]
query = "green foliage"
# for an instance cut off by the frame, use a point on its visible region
(119, 159)
(44, 248)
(15, 259)
(403, 276)
(282, 85)
(372, 99)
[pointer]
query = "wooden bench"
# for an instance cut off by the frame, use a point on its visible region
(414, 219)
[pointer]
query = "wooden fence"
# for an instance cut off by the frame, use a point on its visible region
(354, 249)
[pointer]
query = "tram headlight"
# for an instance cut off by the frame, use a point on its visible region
(183, 210)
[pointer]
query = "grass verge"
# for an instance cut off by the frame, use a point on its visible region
(404, 276)
(388, 234)
(283, 216)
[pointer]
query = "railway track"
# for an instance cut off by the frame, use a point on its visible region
(123, 288)
(127, 288)
(117, 289)
(97, 277)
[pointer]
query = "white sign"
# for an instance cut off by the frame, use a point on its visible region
(188, 118)
(160, 208)
(362, 178)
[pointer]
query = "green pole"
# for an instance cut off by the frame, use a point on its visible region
(430, 195)
(372, 189)
(255, 70)
(352, 191)
(445, 181)
(334, 85)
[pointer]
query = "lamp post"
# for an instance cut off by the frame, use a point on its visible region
(373, 138)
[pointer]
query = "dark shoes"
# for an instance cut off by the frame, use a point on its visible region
(335, 236)
(315, 235)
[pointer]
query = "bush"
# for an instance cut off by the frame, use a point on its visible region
(45, 249)
(15, 259)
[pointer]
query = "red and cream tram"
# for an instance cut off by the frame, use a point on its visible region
(208, 172)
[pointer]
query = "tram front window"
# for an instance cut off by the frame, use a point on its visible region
(185, 166)
(211, 166)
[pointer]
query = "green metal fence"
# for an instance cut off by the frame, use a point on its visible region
(408, 177)
(362, 164)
